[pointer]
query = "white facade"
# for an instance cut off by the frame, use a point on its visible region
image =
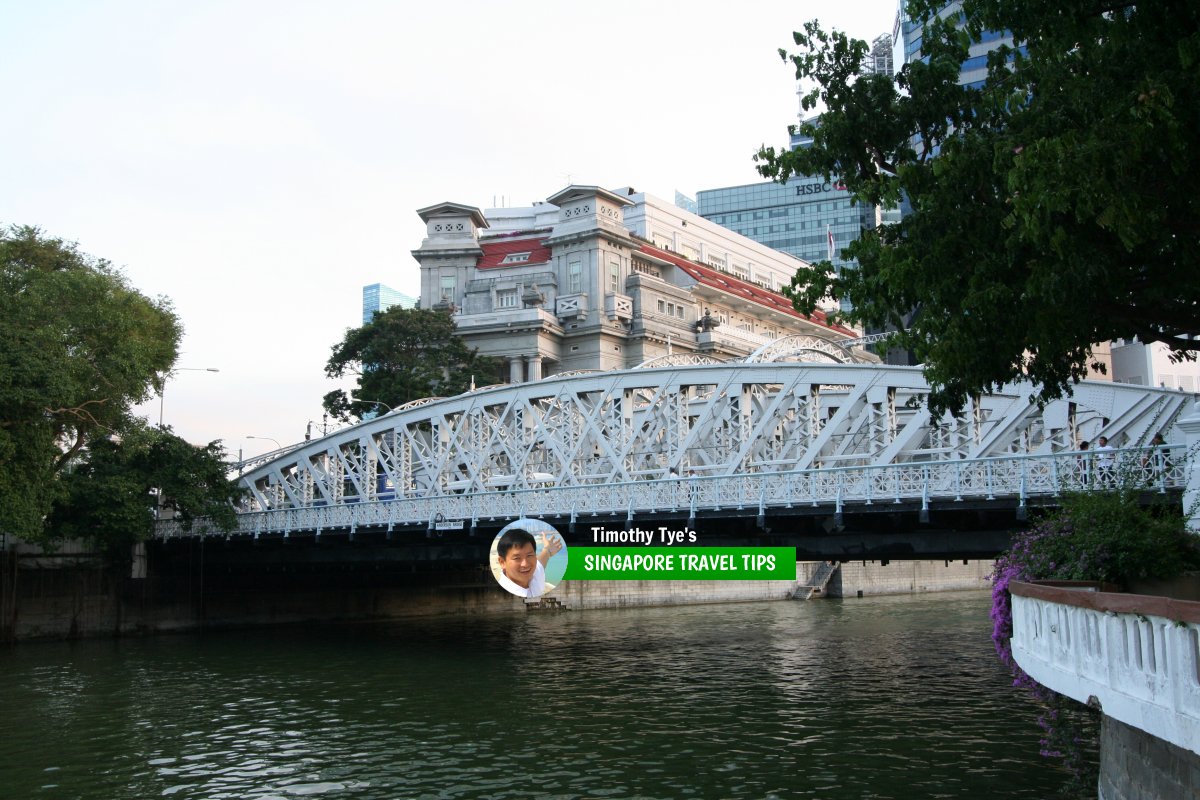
(597, 279)
(1151, 365)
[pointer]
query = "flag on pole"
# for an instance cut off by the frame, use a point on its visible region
(829, 234)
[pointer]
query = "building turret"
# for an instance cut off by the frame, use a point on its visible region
(448, 253)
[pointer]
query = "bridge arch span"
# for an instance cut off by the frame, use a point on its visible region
(702, 421)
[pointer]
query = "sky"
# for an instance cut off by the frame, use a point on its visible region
(259, 162)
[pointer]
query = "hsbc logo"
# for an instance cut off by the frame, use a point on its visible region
(818, 188)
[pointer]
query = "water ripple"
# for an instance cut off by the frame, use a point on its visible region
(892, 698)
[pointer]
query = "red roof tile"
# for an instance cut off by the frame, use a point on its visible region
(739, 288)
(495, 251)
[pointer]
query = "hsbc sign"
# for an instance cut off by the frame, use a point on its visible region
(817, 188)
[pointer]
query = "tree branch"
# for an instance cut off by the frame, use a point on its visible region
(80, 411)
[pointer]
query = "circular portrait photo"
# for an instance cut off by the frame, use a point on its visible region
(528, 557)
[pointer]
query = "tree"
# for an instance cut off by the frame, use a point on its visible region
(78, 348)
(114, 495)
(1053, 207)
(402, 354)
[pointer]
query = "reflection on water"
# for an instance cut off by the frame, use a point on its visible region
(875, 698)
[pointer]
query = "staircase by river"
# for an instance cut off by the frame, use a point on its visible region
(816, 585)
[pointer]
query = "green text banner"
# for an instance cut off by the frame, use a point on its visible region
(681, 564)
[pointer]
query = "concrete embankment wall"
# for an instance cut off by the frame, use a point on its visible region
(86, 600)
(866, 578)
(77, 594)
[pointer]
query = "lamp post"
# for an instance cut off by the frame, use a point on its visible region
(373, 414)
(324, 427)
(377, 403)
(162, 393)
(278, 446)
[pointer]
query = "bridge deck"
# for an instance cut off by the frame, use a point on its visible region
(1013, 482)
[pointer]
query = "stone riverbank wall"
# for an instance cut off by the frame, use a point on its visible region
(73, 593)
(1134, 765)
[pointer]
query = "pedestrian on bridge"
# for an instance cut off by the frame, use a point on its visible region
(1156, 463)
(1084, 464)
(1105, 463)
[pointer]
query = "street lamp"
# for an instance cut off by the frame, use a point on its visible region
(324, 427)
(278, 446)
(166, 377)
(377, 403)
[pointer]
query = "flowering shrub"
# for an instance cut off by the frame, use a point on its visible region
(1107, 537)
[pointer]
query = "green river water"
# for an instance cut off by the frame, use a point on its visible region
(897, 697)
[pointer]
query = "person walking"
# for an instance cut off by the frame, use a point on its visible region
(1156, 463)
(1084, 464)
(1105, 463)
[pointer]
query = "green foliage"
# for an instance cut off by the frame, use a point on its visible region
(78, 348)
(1052, 208)
(113, 496)
(1108, 537)
(403, 354)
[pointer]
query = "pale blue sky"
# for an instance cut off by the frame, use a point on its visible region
(259, 162)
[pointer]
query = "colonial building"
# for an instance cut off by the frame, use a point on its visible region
(595, 279)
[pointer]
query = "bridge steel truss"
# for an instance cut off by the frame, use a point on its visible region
(701, 438)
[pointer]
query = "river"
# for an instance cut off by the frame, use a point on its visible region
(896, 697)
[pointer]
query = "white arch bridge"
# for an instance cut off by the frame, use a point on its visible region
(689, 440)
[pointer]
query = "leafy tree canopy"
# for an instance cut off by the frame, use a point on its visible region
(1053, 207)
(114, 495)
(402, 354)
(78, 348)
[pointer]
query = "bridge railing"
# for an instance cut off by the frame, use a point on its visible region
(1019, 477)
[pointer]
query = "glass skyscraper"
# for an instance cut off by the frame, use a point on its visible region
(377, 297)
(974, 69)
(809, 218)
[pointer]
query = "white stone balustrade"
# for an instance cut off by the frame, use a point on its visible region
(1137, 656)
